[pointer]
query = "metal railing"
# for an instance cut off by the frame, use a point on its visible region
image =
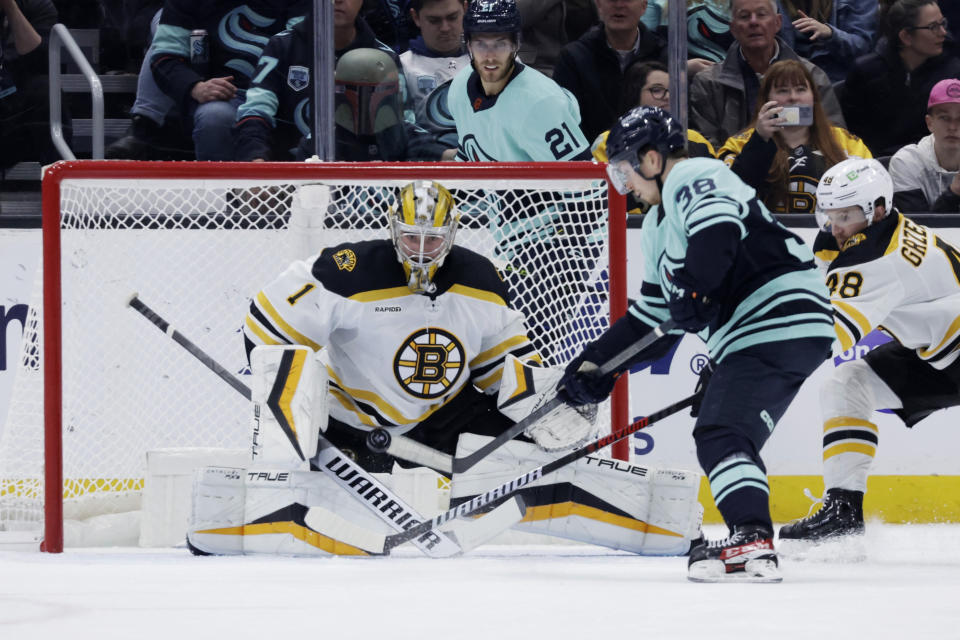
(60, 38)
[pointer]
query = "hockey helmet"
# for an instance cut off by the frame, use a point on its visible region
(423, 225)
(861, 182)
(492, 16)
(638, 130)
(367, 97)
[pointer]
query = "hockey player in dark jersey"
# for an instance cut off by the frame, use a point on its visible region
(719, 265)
(416, 336)
(207, 74)
(884, 270)
(274, 123)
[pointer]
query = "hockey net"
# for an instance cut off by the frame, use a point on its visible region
(196, 241)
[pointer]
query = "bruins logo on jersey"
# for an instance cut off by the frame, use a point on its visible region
(429, 362)
(346, 259)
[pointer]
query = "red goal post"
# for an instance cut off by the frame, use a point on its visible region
(247, 199)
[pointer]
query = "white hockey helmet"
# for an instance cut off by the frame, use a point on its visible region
(854, 182)
(423, 225)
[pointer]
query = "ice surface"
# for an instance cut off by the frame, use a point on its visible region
(906, 588)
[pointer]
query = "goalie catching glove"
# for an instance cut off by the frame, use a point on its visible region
(524, 388)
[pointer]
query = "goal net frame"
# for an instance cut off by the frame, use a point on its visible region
(54, 175)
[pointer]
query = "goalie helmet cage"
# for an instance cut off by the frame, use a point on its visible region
(198, 240)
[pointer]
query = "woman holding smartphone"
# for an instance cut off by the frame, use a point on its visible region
(790, 143)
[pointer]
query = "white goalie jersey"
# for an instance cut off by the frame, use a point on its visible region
(899, 277)
(393, 357)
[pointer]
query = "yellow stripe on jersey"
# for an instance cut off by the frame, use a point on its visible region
(498, 350)
(947, 339)
(258, 331)
(479, 294)
(296, 336)
(827, 255)
(382, 294)
(384, 407)
(851, 313)
(895, 238)
(489, 380)
(844, 336)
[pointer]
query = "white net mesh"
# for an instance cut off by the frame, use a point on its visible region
(196, 251)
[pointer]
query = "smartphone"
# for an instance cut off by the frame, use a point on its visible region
(799, 115)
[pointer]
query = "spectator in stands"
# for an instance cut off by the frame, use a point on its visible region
(547, 25)
(885, 95)
(208, 86)
(784, 162)
(647, 84)
(708, 26)
(433, 58)
(926, 175)
(390, 22)
(592, 67)
(832, 34)
(24, 85)
(723, 99)
(275, 121)
(951, 11)
(504, 110)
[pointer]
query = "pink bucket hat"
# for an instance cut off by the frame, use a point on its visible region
(944, 92)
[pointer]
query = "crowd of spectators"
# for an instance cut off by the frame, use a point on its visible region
(880, 78)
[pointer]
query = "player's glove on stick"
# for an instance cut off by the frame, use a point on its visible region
(689, 308)
(580, 383)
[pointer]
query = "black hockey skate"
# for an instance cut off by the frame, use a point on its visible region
(841, 514)
(746, 556)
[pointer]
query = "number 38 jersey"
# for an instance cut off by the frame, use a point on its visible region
(767, 286)
(900, 277)
(394, 357)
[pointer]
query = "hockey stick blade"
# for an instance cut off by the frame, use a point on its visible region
(403, 447)
(512, 486)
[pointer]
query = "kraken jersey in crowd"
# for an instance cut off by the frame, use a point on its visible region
(236, 35)
(768, 288)
(533, 119)
(807, 165)
(897, 276)
(394, 357)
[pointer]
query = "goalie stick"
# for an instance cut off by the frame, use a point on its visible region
(353, 478)
(402, 447)
(511, 487)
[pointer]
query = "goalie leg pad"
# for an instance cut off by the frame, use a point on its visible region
(289, 397)
(610, 503)
(267, 511)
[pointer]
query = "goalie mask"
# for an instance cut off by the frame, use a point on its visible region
(855, 182)
(423, 225)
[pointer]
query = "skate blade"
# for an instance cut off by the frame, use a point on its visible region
(846, 549)
(759, 570)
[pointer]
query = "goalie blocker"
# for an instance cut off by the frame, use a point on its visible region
(279, 506)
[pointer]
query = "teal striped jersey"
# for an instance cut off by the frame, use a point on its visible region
(771, 290)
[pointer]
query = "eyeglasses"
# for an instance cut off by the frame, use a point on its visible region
(933, 26)
(658, 91)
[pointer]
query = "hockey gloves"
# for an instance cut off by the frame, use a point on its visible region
(580, 383)
(690, 309)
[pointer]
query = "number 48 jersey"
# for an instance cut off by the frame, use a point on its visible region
(533, 119)
(902, 278)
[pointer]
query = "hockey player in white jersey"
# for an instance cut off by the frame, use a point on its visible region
(885, 271)
(717, 264)
(504, 110)
(414, 335)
